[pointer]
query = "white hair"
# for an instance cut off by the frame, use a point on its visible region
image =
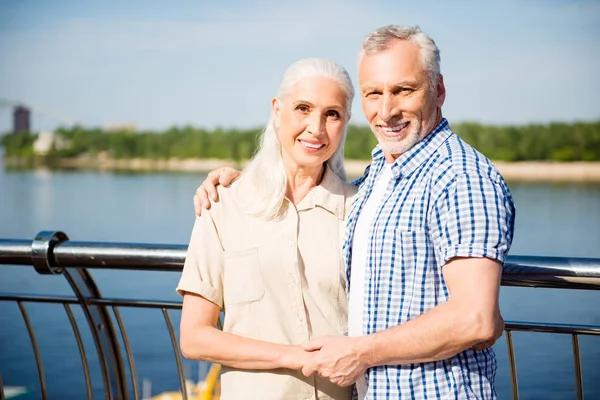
(381, 38)
(264, 181)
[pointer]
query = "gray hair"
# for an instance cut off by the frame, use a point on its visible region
(381, 38)
(264, 181)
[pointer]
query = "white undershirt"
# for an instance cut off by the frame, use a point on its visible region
(360, 243)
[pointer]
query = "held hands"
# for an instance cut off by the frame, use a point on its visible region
(336, 358)
(340, 359)
(207, 191)
(332, 357)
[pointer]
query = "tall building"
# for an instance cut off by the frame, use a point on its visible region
(21, 119)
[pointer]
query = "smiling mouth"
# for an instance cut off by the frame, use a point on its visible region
(394, 128)
(315, 146)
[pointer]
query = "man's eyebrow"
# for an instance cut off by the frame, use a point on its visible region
(369, 89)
(404, 84)
(392, 86)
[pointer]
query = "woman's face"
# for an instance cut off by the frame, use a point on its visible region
(310, 121)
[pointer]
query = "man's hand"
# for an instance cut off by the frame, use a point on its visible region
(336, 358)
(207, 191)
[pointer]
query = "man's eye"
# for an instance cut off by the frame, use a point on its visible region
(373, 94)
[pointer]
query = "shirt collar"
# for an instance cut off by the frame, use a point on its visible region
(408, 162)
(329, 195)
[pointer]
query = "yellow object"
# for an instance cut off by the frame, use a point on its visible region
(212, 382)
(209, 389)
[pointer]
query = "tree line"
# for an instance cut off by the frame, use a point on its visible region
(579, 141)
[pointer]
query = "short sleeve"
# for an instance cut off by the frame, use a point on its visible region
(359, 181)
(203, 269)
(474, 217)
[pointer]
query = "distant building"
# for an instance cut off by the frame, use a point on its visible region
(21, 119)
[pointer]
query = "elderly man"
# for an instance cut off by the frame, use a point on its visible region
(426, 239)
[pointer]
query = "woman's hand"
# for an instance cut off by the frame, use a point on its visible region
(295, 357)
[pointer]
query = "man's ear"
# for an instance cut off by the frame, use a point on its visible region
(440, 91)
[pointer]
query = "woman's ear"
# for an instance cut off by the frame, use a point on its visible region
(276, 109)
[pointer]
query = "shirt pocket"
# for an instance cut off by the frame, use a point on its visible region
(414, 256)
(419, 269)
(243, 281)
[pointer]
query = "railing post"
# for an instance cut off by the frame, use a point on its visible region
(1, 388)
(514, 382)
(98, 317)
(577, 361)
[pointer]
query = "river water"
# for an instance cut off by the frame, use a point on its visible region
(552, 220)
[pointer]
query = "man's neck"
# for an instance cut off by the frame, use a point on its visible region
(391, 158)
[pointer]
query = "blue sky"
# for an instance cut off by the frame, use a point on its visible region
(218, 63)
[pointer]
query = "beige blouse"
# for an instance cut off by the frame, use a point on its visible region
(280, 281)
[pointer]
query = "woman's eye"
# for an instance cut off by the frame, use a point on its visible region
(333, 114)
(302, 108)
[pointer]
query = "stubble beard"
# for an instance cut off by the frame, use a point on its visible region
(400, 145)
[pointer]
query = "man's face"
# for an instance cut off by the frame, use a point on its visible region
(398, 99)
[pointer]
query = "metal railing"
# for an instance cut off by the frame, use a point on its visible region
(53, 253)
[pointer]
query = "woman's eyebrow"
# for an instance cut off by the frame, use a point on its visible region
(295, 102)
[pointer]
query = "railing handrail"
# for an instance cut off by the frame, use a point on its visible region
(100, 255)
(531, 271)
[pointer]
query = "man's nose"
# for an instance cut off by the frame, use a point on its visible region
(388, 108)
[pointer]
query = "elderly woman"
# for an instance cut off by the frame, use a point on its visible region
(268, 253)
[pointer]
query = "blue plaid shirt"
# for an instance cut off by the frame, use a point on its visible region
(445, 200)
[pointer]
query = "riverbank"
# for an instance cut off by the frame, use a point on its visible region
(526, 171)
(530, 171)
(523, 171)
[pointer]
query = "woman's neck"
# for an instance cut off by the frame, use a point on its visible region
(300, 181)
